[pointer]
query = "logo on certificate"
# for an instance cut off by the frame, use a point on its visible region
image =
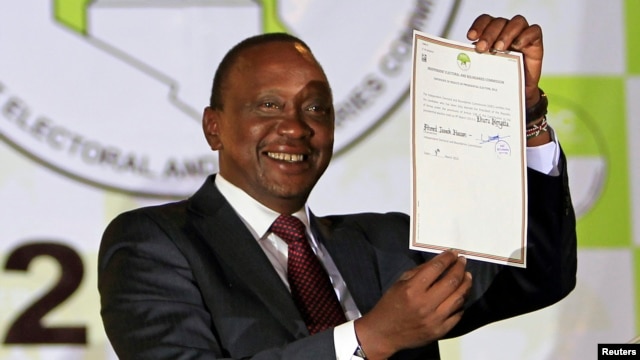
(110, 93)
(464, 61)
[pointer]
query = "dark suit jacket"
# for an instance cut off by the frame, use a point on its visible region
(187, 280)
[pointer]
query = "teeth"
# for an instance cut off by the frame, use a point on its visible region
(286, 157)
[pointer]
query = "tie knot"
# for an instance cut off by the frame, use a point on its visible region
(289, 228)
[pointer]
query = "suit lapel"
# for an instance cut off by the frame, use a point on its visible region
(354, 258)
(240, 257)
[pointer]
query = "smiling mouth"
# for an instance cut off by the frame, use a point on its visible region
(286, 157)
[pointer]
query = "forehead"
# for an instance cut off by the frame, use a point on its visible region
(278, 56)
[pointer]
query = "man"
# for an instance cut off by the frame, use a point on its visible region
(211, 277)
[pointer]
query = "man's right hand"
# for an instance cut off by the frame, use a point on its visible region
(421, 307)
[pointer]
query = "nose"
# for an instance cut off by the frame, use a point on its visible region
(294, 125)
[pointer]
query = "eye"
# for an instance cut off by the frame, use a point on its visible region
(317, 108)
(270, 105)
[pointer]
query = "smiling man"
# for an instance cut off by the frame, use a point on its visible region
(243, 269)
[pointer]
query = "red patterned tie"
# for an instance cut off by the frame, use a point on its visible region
(309, 282)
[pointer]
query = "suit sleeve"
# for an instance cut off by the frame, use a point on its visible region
(152, 307)
(499, 291)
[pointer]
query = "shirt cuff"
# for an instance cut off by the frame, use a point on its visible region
(545, 158)
(345, 341)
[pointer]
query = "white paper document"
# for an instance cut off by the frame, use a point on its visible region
(468, 158)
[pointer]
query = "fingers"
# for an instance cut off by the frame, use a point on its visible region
(429, 272)
(490, 33)
(502, 34)
(445, 279)
(440, 288)
(532, 35)
(454, 302)
(485, 30)
(451, 280)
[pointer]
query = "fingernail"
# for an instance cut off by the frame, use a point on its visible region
(499, 45)
(463, 259)
(481, 45)
(468, 275)
(471, 35)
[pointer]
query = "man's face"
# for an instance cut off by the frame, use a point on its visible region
(274, 134)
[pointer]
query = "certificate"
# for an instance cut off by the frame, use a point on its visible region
(468, 163)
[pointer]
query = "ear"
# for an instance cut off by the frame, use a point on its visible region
(211, 128)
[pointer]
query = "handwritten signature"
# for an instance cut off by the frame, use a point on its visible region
(491, 138)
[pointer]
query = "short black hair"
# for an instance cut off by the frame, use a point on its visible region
(215, 101)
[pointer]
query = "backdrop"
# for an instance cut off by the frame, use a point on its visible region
(100, 105)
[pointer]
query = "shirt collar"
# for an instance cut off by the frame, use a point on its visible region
(256, 216)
